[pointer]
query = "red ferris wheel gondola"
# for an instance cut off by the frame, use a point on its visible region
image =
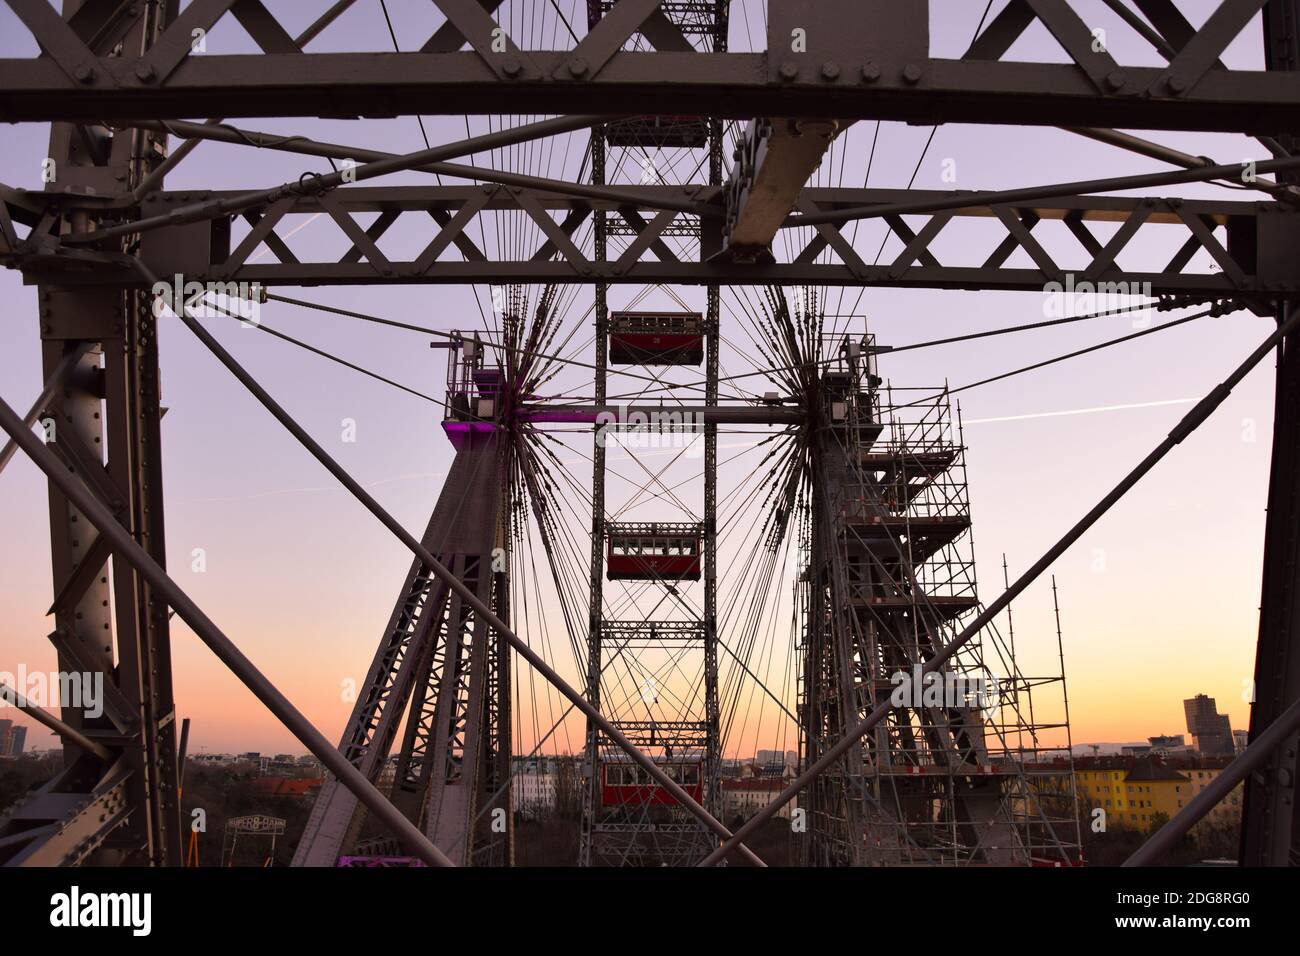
(650, 551)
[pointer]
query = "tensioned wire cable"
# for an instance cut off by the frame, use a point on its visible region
(441, 333)
(933, 343)
(1164, 326)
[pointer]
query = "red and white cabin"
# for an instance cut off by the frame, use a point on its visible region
(623, 783)
(656, 338)
(651, 551)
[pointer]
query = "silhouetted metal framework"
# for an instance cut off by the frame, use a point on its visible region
(110, 75)
(1244, 240)
(442, 673)
(865, 60)
(956, 774)
(639, 830)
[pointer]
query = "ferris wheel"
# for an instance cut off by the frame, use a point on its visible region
(714, 514)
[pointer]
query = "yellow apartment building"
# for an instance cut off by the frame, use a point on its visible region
(1133, 790)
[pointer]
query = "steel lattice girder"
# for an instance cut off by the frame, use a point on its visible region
(1246, 244)
(860, 59)
(109, 622)
(665, 733)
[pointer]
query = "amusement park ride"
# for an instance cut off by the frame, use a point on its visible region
(866, 488)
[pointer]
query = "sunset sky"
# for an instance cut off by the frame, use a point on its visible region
(1159, 601)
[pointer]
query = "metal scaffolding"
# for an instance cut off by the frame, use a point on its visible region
(956, 774)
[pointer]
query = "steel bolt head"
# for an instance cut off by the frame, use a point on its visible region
(871, 71)
(145, 72)
(1115, 80)
(578, 66)
(830, 70)
(912, 73)
(789, 70)
(1177, 83)
(84, 74)
(511, 66)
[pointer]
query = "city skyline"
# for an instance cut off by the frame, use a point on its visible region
(39, 739)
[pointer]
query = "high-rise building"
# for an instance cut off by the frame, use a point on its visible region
(1166, 745)
(776, 758)
(17, 738)
(1211, 731)
(6, 728)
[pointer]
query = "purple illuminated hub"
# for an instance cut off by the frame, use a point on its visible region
(463, 434)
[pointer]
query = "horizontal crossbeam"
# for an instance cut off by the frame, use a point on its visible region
(857, 59)
(727, 85)
(1204, 248)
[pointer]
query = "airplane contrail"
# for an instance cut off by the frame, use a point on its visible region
(1079, 411)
